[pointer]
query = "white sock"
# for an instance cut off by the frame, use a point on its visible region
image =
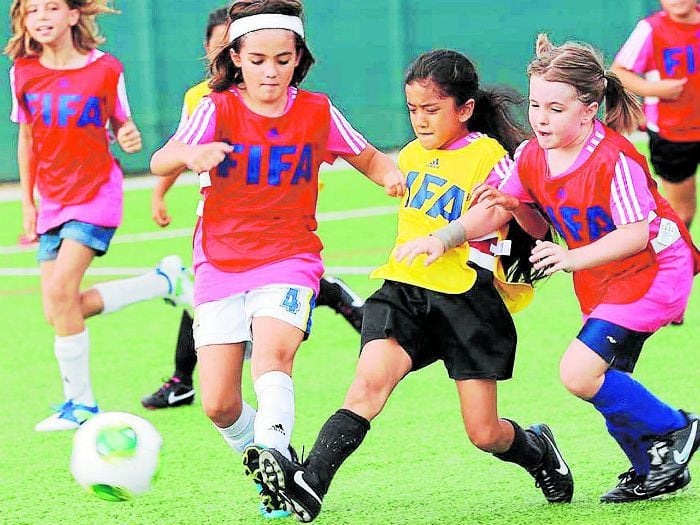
(275, 420)
(239, 435)
(123, 292)
(73, 355)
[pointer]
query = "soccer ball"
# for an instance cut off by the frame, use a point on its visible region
(115, 455)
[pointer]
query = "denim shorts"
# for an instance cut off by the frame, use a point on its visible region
(92, 236)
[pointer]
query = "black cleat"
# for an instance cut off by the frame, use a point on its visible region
(271, 505)
(552, 475)
(342, 299)
(292, 483)
(173, 393)
(671, 453)
(631, 488)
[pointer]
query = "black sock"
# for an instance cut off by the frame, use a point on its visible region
(525, 449)
(185, 355)
(327, 294)
(339, 437)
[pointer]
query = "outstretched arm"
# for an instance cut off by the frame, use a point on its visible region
(176, 156)
(529, 218)
(379, 168)
(623, 242)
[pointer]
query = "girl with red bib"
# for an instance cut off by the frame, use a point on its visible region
(257, 141)
(65, 94)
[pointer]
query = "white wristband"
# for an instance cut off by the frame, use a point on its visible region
(451, 235)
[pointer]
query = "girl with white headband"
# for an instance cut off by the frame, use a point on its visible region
(256, 255)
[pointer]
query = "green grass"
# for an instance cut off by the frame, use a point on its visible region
(416, 465)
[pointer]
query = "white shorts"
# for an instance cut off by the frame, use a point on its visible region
(229, 320)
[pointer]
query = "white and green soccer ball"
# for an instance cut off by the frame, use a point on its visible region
(116, 455)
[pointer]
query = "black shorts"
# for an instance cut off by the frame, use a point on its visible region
(472, 333)
(673, 161)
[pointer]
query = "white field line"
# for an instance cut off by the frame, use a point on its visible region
(128, 272)
(129, 238)
(187, 232)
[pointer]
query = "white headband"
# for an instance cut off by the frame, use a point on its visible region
(251, 23)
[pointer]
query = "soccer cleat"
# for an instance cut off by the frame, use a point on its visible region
(343, 300)
(271, 506)
(292, 483)
(631, 488)
(553, 476)
(180, 285)
(68, 416)
(671, 453)
(173, 393)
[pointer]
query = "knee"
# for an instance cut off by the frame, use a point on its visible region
(579, 384)
(483, 437)
(59, 296)
(222, 413)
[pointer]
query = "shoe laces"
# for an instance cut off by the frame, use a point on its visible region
(64, 409)
(628, 477)
(545, 481)
(167, 383)
(658, 451)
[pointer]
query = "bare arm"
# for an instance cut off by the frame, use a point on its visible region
(159, 209)
(380, 169)
(27, 180)
(531, 220)
(668, 89)
(621, 243)
(176, 156)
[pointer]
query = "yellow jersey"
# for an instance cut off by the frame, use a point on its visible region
(439, 190)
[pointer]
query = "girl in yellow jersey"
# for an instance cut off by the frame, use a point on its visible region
(457, 309)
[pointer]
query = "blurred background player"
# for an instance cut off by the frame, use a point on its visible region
(257, 142)
(333, 292)
(450, 311)
(659, 62)
(65, 93)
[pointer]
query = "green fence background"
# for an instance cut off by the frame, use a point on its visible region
(362, 48)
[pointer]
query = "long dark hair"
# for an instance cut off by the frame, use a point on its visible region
(225, 73)
(454, 75)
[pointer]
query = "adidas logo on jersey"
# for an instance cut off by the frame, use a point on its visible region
(435, 163)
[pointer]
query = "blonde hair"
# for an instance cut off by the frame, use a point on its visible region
(85, 33)
(581, 66)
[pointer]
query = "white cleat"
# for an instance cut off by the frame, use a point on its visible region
(180, 283)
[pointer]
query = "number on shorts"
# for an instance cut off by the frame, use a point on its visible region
(291, 301)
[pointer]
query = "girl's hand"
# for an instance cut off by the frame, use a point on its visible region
(553, 257)
(129, 137)
(159, 211)
(670, 88)
(493, 197)
(432, 246)
(205, 157)
(29, 221)
(394, 183)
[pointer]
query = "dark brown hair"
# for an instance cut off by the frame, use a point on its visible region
(225, 73)
(86, 34)
(454, 76)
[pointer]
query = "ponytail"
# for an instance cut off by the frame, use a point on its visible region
(622, 110)
(492, 116)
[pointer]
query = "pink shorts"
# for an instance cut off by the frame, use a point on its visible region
(666, 299)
